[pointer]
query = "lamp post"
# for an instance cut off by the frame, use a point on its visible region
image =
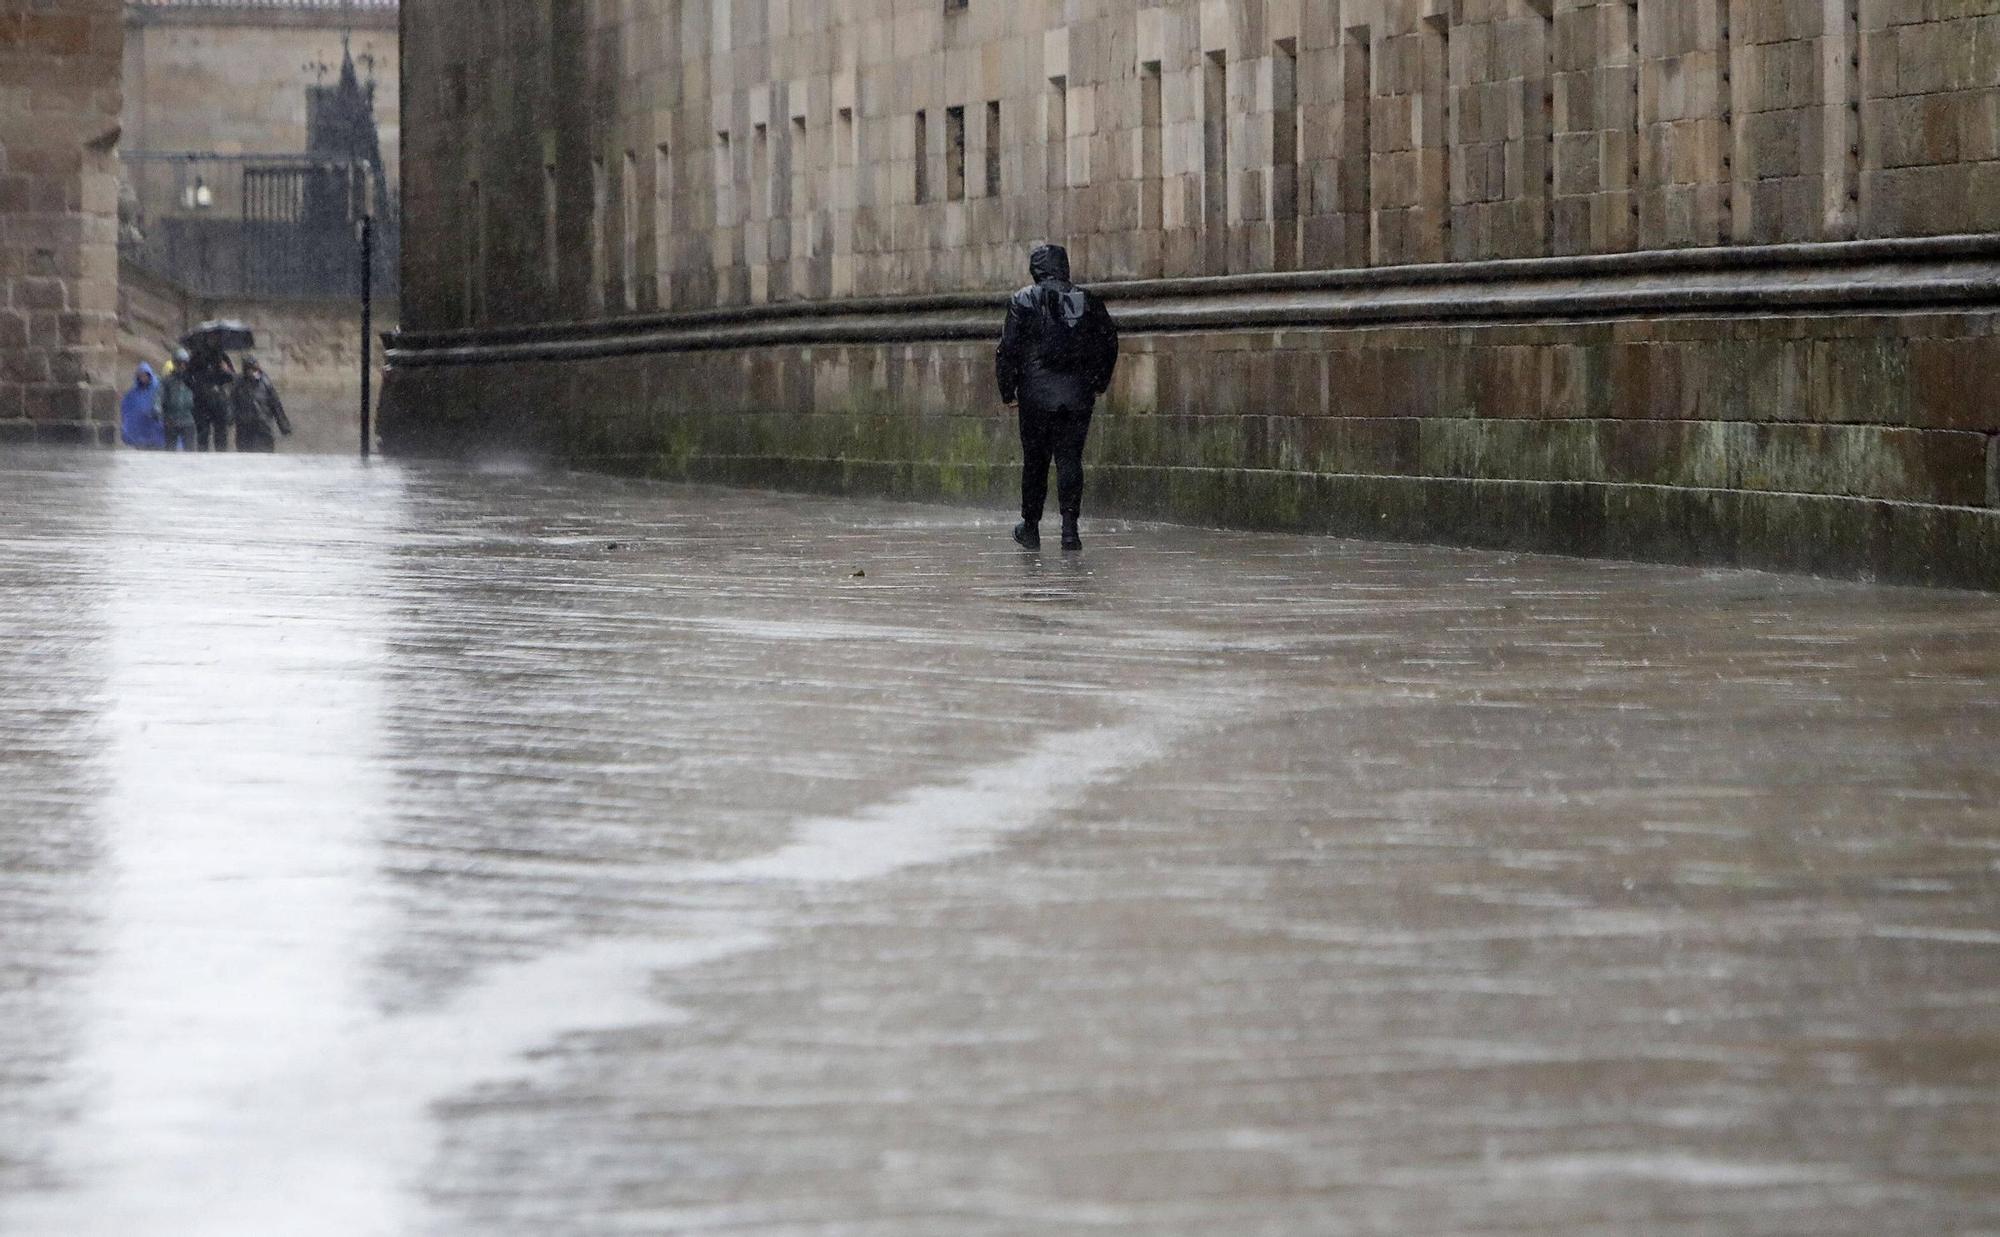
(367, 324)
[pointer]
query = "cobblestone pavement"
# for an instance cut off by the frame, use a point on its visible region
(410, 851)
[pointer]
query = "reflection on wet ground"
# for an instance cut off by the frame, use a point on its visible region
(445, 851)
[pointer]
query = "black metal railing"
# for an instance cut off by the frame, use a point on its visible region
(258, 225)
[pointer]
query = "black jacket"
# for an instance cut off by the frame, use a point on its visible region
(1060, 346)
(257, 406)
(214, 384)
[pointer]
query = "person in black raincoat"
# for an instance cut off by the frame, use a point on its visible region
(1057, 354)
(213, 379)
(257, 410)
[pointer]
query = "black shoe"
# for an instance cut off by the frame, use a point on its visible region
(1071, 539)
(1028, 536)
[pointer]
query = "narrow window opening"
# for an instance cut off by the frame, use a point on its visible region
(760, 171)
(802, 198)
(954, 153)
(1438, 88)
(1058, 133)
(993, 149)
(1846, 191)
(1285, 155)
(847, 155)
(781, 156)
(1357, 123)
(663, 223)
(628, 230)
(1635, 140)
(921, 157)
(1215, 161)
(599, 260)
(1549, 145)
(1727, 227)
(1152, 191)
(725, 182)
(551, 255)
(759, 236)
(475, 265)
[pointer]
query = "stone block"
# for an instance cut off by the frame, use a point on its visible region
(68, 366)
(57, 34)
(45, 402)
(41, 293)
(1919, 466)
(1955, 384)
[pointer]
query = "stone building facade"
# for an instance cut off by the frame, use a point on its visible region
(230, 77)
(1725, 313)
(59, 105)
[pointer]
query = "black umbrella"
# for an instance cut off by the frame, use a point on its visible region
(223, 335)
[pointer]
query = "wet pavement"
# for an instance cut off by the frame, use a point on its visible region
(438, 851)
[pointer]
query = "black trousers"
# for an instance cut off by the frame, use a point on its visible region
(1056, 434)
(207, 424)
(180, 438)
(255, 438)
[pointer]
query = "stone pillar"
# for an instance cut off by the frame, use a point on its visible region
(60, 93)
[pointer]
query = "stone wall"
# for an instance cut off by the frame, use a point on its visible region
(310, 348)
(1690, 189)
(59, 104)
(152, 314)
(597, 159)
(1633, 406)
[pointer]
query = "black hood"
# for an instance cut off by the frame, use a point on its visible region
(1049, 262)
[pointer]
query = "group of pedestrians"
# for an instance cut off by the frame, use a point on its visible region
(201, 399)
(1058, 351)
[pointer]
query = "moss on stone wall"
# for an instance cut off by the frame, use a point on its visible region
(1684, 440)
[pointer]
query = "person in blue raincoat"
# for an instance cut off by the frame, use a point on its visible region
(139, 412)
